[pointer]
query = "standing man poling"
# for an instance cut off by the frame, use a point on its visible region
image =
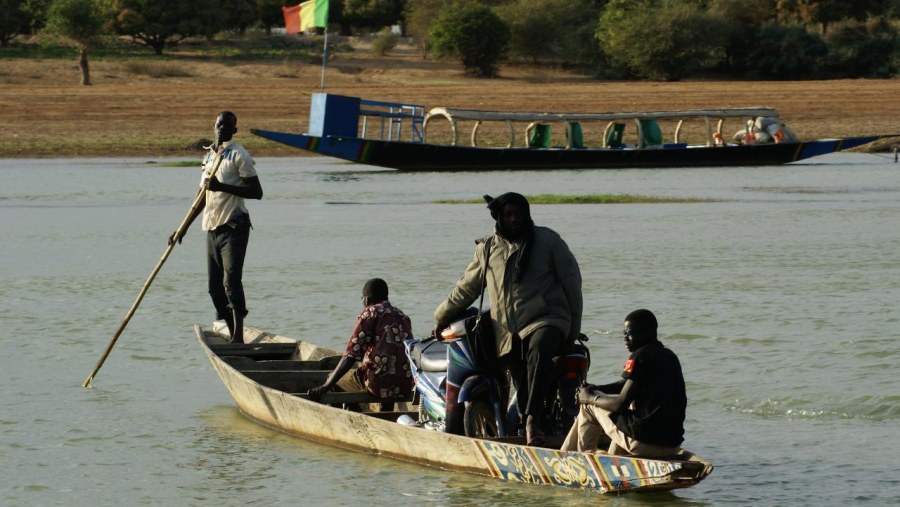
(229, 177)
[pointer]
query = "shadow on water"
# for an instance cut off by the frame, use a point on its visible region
(355, 174)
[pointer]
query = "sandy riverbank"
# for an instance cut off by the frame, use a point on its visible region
(47, 113)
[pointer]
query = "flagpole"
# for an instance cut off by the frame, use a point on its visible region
(324, 60)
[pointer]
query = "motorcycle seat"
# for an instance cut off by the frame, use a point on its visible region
(430, 356)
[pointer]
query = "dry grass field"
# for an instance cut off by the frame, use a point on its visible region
(161, 107)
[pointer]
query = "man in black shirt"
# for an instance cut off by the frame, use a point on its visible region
(643, 412)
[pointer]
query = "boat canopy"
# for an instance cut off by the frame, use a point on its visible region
(642, 120)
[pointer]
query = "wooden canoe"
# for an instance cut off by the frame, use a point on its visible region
(268, 376)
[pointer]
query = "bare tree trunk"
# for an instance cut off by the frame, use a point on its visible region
(85, 68)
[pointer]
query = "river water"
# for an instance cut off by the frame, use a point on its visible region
(780, 297)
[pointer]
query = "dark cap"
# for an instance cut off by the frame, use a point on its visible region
(496, 204)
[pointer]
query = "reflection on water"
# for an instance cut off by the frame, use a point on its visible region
(780, 300)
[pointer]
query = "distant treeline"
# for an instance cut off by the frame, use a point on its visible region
(628, 39)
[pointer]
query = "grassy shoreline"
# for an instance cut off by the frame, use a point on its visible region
(591, 199)
(165, 106)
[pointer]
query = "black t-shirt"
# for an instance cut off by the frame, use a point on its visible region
(657, 414)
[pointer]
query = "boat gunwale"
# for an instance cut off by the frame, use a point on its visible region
(524, 116)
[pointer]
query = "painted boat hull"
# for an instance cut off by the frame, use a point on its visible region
(500, 459)
(407, 156)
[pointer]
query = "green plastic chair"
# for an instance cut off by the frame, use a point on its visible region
(614, 135)
(652, 133)
(540, 136)
(574, 135)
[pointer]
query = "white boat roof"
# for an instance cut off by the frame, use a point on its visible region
(476, 114)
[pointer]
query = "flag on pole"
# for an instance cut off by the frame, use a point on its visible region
(291, 18)
(313, 13)
(307, 15)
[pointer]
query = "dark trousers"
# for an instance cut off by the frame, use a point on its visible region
(226, 247)
(530, 364)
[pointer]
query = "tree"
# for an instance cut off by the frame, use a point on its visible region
(160, 23)
(743, 21)
(825, 13)
(21, 17)
(864, 50)
(373, 14)
(552, 30)
(239, 14)
(666, 39)
(270, 13)
(786, 52)
(82, 21)
(419, 14)
(472, 33)
(13, 21)
(532, 35)
(37, 10)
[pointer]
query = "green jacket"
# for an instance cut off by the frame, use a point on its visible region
(549, 293)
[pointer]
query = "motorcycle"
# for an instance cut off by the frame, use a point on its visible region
(455, 393)
(459, 395)
(571, 370)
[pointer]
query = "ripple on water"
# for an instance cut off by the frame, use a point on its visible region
(863, 407)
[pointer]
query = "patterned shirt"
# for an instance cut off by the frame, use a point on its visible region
(377, 342)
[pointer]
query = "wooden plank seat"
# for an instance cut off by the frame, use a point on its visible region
(292, 381)
(255, 350)
(339, 398)
(298, 382)
(241, 363)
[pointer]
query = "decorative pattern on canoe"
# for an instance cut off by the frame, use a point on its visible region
(580, 470)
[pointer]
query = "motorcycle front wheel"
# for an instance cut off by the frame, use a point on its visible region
(479, 421)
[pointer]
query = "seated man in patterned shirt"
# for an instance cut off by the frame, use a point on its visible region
(376, 343)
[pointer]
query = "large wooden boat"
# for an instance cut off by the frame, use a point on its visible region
(396, 135)
(269, 376)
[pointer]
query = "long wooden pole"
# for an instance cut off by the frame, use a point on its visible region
(198, 204)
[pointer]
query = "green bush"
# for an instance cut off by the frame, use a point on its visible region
(555, 31)
(786, 52)
(859, 50)
(472, 33)
(384, 42)
(742, 22)
(665, 40)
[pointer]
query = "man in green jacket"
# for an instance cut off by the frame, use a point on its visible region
(534, 287)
